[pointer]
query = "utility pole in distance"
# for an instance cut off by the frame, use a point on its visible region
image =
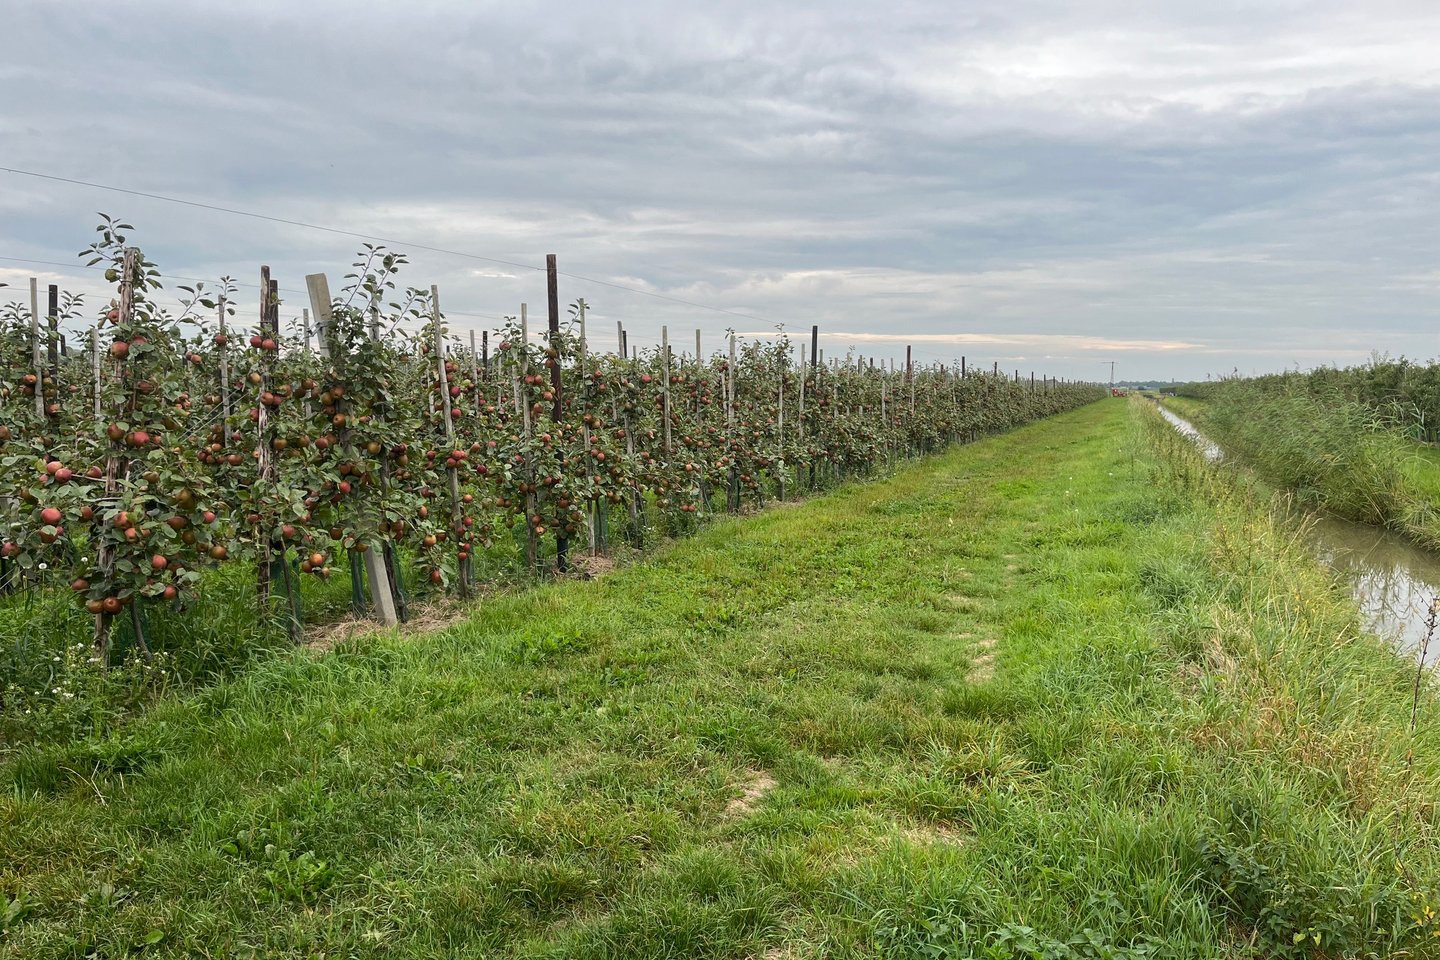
(1112, 374)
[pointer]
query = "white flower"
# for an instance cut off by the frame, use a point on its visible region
(44, 566)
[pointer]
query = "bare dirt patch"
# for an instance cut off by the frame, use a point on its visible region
(933, 835)
(752, 792)
(960, 603)
(588, 567)
(982, 668)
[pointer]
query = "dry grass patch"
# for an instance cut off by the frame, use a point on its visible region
(752, 792)
(933, 835)
(424, 618)
(588, 567)
(982, 667)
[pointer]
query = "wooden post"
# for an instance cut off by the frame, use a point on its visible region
(592, 521)
(53, 314)
(222, 352)
(700, 379)
(292, 596)
(36, 353)
(522, 403)
(780, 427)
(552, 289)
(800, 411)
(665, 384)
(95, 369)
(815, 372)
(475, 377)
(730, 386)
(262, 450)
(376, 573)
(910, 379)
(115, 465)
(319, 289)
(380, 593)
(733, 494)
(457, 525)
(580, 306)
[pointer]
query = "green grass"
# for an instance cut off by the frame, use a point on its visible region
(1028, 698)
(49, 689)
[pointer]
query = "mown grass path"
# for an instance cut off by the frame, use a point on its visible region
(956, 710)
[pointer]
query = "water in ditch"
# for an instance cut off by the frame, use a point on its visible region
(1394, 582)
(1208, 449)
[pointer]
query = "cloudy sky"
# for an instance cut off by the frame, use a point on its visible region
(1185, 188)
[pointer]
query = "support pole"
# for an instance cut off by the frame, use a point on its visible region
(457, 526)
(552, 287)
(37, 359)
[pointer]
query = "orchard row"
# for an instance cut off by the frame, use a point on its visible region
(165, 443)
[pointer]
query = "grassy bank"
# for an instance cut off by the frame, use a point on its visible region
(1043, 696)
(1333, 454)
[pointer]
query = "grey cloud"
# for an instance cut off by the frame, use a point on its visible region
(1257, 180)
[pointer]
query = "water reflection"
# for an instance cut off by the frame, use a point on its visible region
(1393, 581)
(1208, 449)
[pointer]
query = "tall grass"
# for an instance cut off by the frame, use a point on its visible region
(1334, 454)
(53, 688)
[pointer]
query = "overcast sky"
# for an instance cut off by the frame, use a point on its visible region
(1183, 187)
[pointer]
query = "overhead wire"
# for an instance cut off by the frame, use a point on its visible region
(407, 244)
(238, 283)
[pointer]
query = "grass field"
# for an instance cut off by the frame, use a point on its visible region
(1056, 694)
